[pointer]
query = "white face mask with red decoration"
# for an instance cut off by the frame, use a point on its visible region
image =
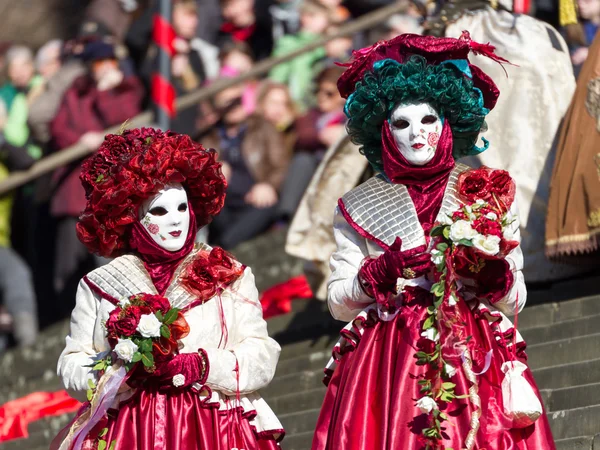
(166, 217)
(416, 129)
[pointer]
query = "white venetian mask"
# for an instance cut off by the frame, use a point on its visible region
(416, 129)
(166, 217)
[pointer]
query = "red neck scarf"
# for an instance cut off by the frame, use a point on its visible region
(426, 184)
(160, 263)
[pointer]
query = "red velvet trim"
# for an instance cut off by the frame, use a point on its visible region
(357, 227)
(100, 292)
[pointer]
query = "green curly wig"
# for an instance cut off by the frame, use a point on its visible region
(445, 87)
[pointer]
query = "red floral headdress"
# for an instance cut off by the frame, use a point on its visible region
(130, 167)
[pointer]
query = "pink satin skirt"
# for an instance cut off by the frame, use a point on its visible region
(177, 420)
(370, 400)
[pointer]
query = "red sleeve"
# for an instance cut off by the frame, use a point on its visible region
(117, 105)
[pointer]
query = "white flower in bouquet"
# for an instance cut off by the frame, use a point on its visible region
(508, 234)
(461, 229)
(123, 302)
(452, 300)
(426, 405)
(431, 334)
(491, 216)
(489, 245)
(450, 370)
(480, 201)
(125, 349)
(149, 326)
(437, 257)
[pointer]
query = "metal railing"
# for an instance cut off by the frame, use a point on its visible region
(78, 151)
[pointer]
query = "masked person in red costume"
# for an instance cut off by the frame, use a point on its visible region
(186, 379)
(427, 266)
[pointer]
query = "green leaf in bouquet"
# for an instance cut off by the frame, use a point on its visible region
(91, 384)
(137, 356)
(171, 316)
(442, 247)
(145, 345)
(102, 445)
(159, 315)
(437, 230)
(100, 365)
(448, 385)
(89, 395)
(103, 432)
(165, 332)
(446, 232)
(113, 444)
(428, 323)
(466, 242)
(147, 359)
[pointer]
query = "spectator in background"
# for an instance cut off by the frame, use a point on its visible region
(236, 58)
(316, 131)
(254, 163)
(16, 284)
(276, 106)
(285, 15)
(194, 62)
(58, 77)
(248, 21)
(580, 36)
(101, 98)
(17, 94)
(339, 13)
(298, 73)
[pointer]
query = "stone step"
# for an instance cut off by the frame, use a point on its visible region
(49, 382)
(572, 397)
(575, 422)
(562, 330)
(577, 443)
(302, 441)
(303, 381)
(317, 344)
(565, 351)
(576, 374)
(552, 313)
(300, 422)
(310, 361)
(297, 401)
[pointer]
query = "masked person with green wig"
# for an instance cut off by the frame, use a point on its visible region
(428, 265)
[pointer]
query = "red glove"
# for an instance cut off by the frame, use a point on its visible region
(381, 274)
(181, 371)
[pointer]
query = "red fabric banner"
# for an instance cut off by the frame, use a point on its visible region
(163, 94)
(17, 414)
(163, 34)
(278, 299)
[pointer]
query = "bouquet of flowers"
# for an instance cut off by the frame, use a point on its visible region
(143, 328)
(471, 243)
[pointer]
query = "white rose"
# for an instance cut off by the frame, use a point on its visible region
(462, 229)
(149, 326)
(487, 244)
(178, 380)
(125, 349)
(450, 370)
(431, 334)
(426, 405)
(452, 300)
(123, 302)
(491, 216)
(437, 257)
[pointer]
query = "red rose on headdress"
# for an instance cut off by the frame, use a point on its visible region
(474, 185)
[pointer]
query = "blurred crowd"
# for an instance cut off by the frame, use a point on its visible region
(271, 133)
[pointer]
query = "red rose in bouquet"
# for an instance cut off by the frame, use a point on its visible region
(474, 184)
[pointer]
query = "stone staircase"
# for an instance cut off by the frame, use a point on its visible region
(563, 346)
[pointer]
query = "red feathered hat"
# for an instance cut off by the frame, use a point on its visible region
(129, 168)
(434, 50)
